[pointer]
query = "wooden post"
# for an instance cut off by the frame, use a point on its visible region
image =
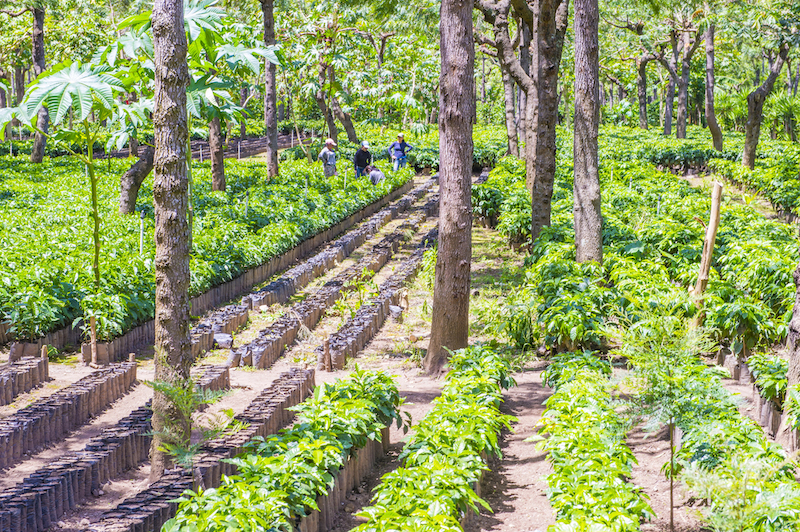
(93, 339)
(708, 249)
(326, 357)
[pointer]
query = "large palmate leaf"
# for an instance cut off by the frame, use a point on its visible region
(79, 87)
(199, 16)
(7, 114)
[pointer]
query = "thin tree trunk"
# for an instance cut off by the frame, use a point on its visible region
(342, 116)
(525, 63)
(132, 180)
(670, 99)
(755, 109)
(586, 209)
(4, 100)
(542, 112)
(217, 154)
(243, 94)
(483, 78)
(711, 116)
(793, 347)
(322, 99)
(173, 355)
(683, 89)
(641, 90)
(450, 324)
(270, 91)
(511, 126)
(3, 96)
(39, 66)
(19, 85)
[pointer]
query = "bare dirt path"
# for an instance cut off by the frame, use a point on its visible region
(515, 487)
(651, 450)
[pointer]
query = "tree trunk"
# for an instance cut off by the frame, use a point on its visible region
(525, 63)
(586, 209)
(343, 117)
(511, 126)
(3, 96)
(173, 355)
(670, 100)
(4, 102)
(755, 109)
(542, 112)
(39, 66)
(793, 347)
(683, 89)
(19, 85)
(243, 94)
(641, 90)
(217, 154)
(132, 180)
(270, 91)
(450, 324)
(711, 116)
(322, 100)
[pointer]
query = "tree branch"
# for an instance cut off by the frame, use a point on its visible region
(13, 14)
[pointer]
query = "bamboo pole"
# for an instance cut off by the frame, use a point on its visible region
(708, 249)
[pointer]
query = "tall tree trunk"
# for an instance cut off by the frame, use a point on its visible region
(270, 91)
(511, 126)
(243, 94)
(525, 63)
(343, 117)
(19, 85)
(450, 324)
(641, 90)
(483, 78)
(4, 77)
(711, 116)
(322, 100)
(173, 355)
(668, 103)
(586, 209)
(4, 102)
(755, 109)
(217, 154)
(542, 113)
(132, 180)
(683, 89)
(42, 118)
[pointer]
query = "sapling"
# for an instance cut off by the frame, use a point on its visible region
(661, 350)
(182, 421)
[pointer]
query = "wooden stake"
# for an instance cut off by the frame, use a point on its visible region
(93, 340)
(326, 357)
(708, 249)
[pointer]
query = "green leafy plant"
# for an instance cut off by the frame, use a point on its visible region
(443, 459)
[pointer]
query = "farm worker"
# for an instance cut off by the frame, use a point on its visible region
(375, 174)
(328, 158)
(398, 151)
(362, 159)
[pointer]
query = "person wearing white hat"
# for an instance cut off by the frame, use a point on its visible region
(362, 159)
(328, 158)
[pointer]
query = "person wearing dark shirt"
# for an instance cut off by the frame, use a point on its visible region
(362, 159)
(398, 152)
(375, 174)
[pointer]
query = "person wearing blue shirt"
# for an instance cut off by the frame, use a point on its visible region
(398, 151)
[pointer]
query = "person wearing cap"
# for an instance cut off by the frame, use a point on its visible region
(328, 158)
(362, 159)
(398, 151)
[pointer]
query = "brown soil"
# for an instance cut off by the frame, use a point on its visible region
(515, 487)
(652, 452)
